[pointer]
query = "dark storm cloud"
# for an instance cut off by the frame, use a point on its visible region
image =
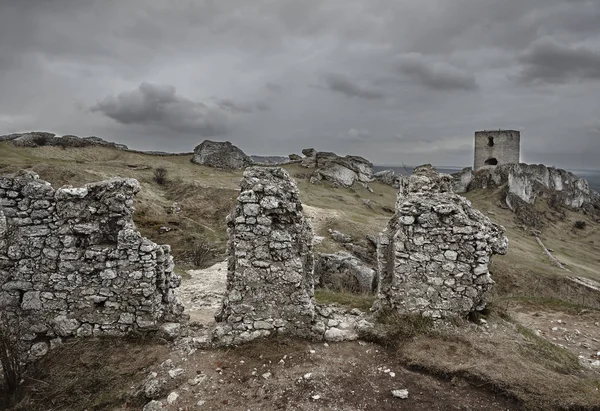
(340, 83)
(549, 62)
(159, 106)
(436, 76)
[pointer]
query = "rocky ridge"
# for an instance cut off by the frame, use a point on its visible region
(525, 183)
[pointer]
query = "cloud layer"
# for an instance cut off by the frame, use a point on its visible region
(396, 82)
(153, 105)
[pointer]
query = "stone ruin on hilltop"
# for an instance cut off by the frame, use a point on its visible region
(270, 272)
(435, 252)
(72, 263)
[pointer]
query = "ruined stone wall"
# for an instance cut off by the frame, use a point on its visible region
(72, 263)
(270, 273)
(503, 146)
(435, 252)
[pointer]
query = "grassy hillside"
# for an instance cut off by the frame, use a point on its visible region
(504, 356)
(207, 195)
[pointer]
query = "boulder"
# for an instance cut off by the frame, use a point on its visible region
(294, 157)
(388, 177)
(309, 152)
(343, 171)
(462, 180)
(344, 272)
(220, 154)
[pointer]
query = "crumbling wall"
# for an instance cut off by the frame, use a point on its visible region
(72, 263)
(435, 252)
(270, 272)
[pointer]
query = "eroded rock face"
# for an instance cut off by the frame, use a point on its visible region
(527, 182)
(72, 263)
(434, 254)
(388, 177)
(220, 154)
(270, 267)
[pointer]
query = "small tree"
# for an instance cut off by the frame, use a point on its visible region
(160, 175)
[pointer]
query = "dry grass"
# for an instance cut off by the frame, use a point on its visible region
(509, 359)
(352, 300)
(90, 374)
(392, 329)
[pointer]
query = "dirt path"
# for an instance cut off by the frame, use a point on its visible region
(300, 375)
(201, 294)
(579, 333)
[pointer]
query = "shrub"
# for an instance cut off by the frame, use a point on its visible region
(201, 254)
(580, 225)
(40, 139)
(392, 328)
(160, 175)
(10, 351)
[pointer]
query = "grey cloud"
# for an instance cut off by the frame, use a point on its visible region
(436, 76)
(274, 88)
(340, 83)
(58, 55)
(357, 134)
(236, 107)
(546, 61)
(155, 105)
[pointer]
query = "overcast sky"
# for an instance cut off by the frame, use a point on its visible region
(396, 81)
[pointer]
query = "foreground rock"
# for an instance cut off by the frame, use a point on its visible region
(73, 264)
(220, 154)
(270, 273)
(434, 254)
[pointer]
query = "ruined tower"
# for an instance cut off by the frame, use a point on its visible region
(497, 147)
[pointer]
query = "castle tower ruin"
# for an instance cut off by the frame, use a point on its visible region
(497, 147)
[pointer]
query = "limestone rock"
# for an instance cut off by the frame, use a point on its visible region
(529, 182)
(344, 272)
(309, 152)
(220, 154)
(154, 406)
(402, 394)
(37, 139)
(388, 177)
(170, 331)
(343, 171)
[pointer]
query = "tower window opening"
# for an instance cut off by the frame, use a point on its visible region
(490, 141)
(491, 162)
